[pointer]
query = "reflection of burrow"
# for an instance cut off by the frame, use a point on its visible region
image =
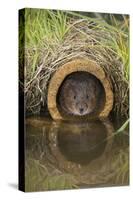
(82, 149)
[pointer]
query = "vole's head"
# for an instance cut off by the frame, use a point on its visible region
(79, 96)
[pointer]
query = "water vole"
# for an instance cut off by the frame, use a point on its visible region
(79, 94)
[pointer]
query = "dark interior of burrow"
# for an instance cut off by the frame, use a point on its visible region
(80, 95)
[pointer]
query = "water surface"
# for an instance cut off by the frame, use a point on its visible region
(62, 155)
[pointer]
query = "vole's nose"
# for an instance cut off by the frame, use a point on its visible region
(81, 110)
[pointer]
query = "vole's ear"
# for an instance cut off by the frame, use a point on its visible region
(67, 84)
(93, 86)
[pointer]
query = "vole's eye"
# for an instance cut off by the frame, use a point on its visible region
(87, 96)
(74, 97)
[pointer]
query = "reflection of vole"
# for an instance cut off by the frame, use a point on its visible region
(88, 144)
(79, 94)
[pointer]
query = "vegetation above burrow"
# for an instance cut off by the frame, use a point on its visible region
(52, 38)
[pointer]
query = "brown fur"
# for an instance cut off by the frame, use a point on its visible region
(79, 94)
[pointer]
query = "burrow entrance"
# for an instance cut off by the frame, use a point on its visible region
(79, 89)
(80, 95)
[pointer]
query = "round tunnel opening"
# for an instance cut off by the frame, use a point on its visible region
(80, 95)
(76, 66)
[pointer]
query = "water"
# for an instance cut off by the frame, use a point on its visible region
(62, 155)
